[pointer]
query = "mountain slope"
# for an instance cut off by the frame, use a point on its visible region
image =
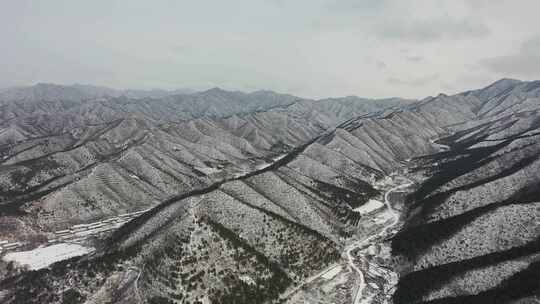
(473, 230)
(248, 207)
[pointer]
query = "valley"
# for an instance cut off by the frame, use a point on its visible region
(359, 266)
(272, 199)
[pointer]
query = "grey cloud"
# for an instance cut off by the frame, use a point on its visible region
(350, 15)
(182, 48)
(279, 3)
(481, 4)
(524, 63)
(270, 44)
(355, 5)
(435, 29)
(531, 46)
(413, 82)
(415, 58)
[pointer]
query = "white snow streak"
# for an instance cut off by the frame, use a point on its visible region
(42, 257)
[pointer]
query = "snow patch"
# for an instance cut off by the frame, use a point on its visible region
(332, 273)
(383, 217)
(42, 257)
(208, 170)
(279, 157)
(247, 279)
(274, 160)
(369, 206)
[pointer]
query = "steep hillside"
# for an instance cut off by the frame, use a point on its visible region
(246, 238)
(75, 169)
(69, 159)
(251, 204)
(473, 229)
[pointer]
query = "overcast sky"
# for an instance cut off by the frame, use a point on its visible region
(311, 48)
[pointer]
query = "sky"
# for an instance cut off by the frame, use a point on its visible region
(309, 48)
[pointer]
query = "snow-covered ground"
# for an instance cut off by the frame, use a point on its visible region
(388, 215)
(42, 257)
(440, 146)
(274, 159)
(369, 206)
(383, 217)
(247, 279)
(63, 244)
(208, 170)
(332, 273)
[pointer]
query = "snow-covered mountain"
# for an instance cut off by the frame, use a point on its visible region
(78, 92)
(230, 197)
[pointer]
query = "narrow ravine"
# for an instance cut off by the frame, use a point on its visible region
(358, 293)
(358, 297)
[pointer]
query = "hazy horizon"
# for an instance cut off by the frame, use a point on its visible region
(194, 91)
(313, 49)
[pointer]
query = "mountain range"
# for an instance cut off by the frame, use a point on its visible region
(111, 196)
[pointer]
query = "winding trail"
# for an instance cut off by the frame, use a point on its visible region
(309, 280)
(358, 244)
(136, 285)
(364, 243)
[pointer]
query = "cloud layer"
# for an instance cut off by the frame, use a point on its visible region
(524, 63)
(435, 29)
(312, 48)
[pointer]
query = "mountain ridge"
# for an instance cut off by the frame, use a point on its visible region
(280, 196)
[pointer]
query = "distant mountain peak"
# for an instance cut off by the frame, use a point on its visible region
(508, 80)
(505, 82)
(215, 90)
